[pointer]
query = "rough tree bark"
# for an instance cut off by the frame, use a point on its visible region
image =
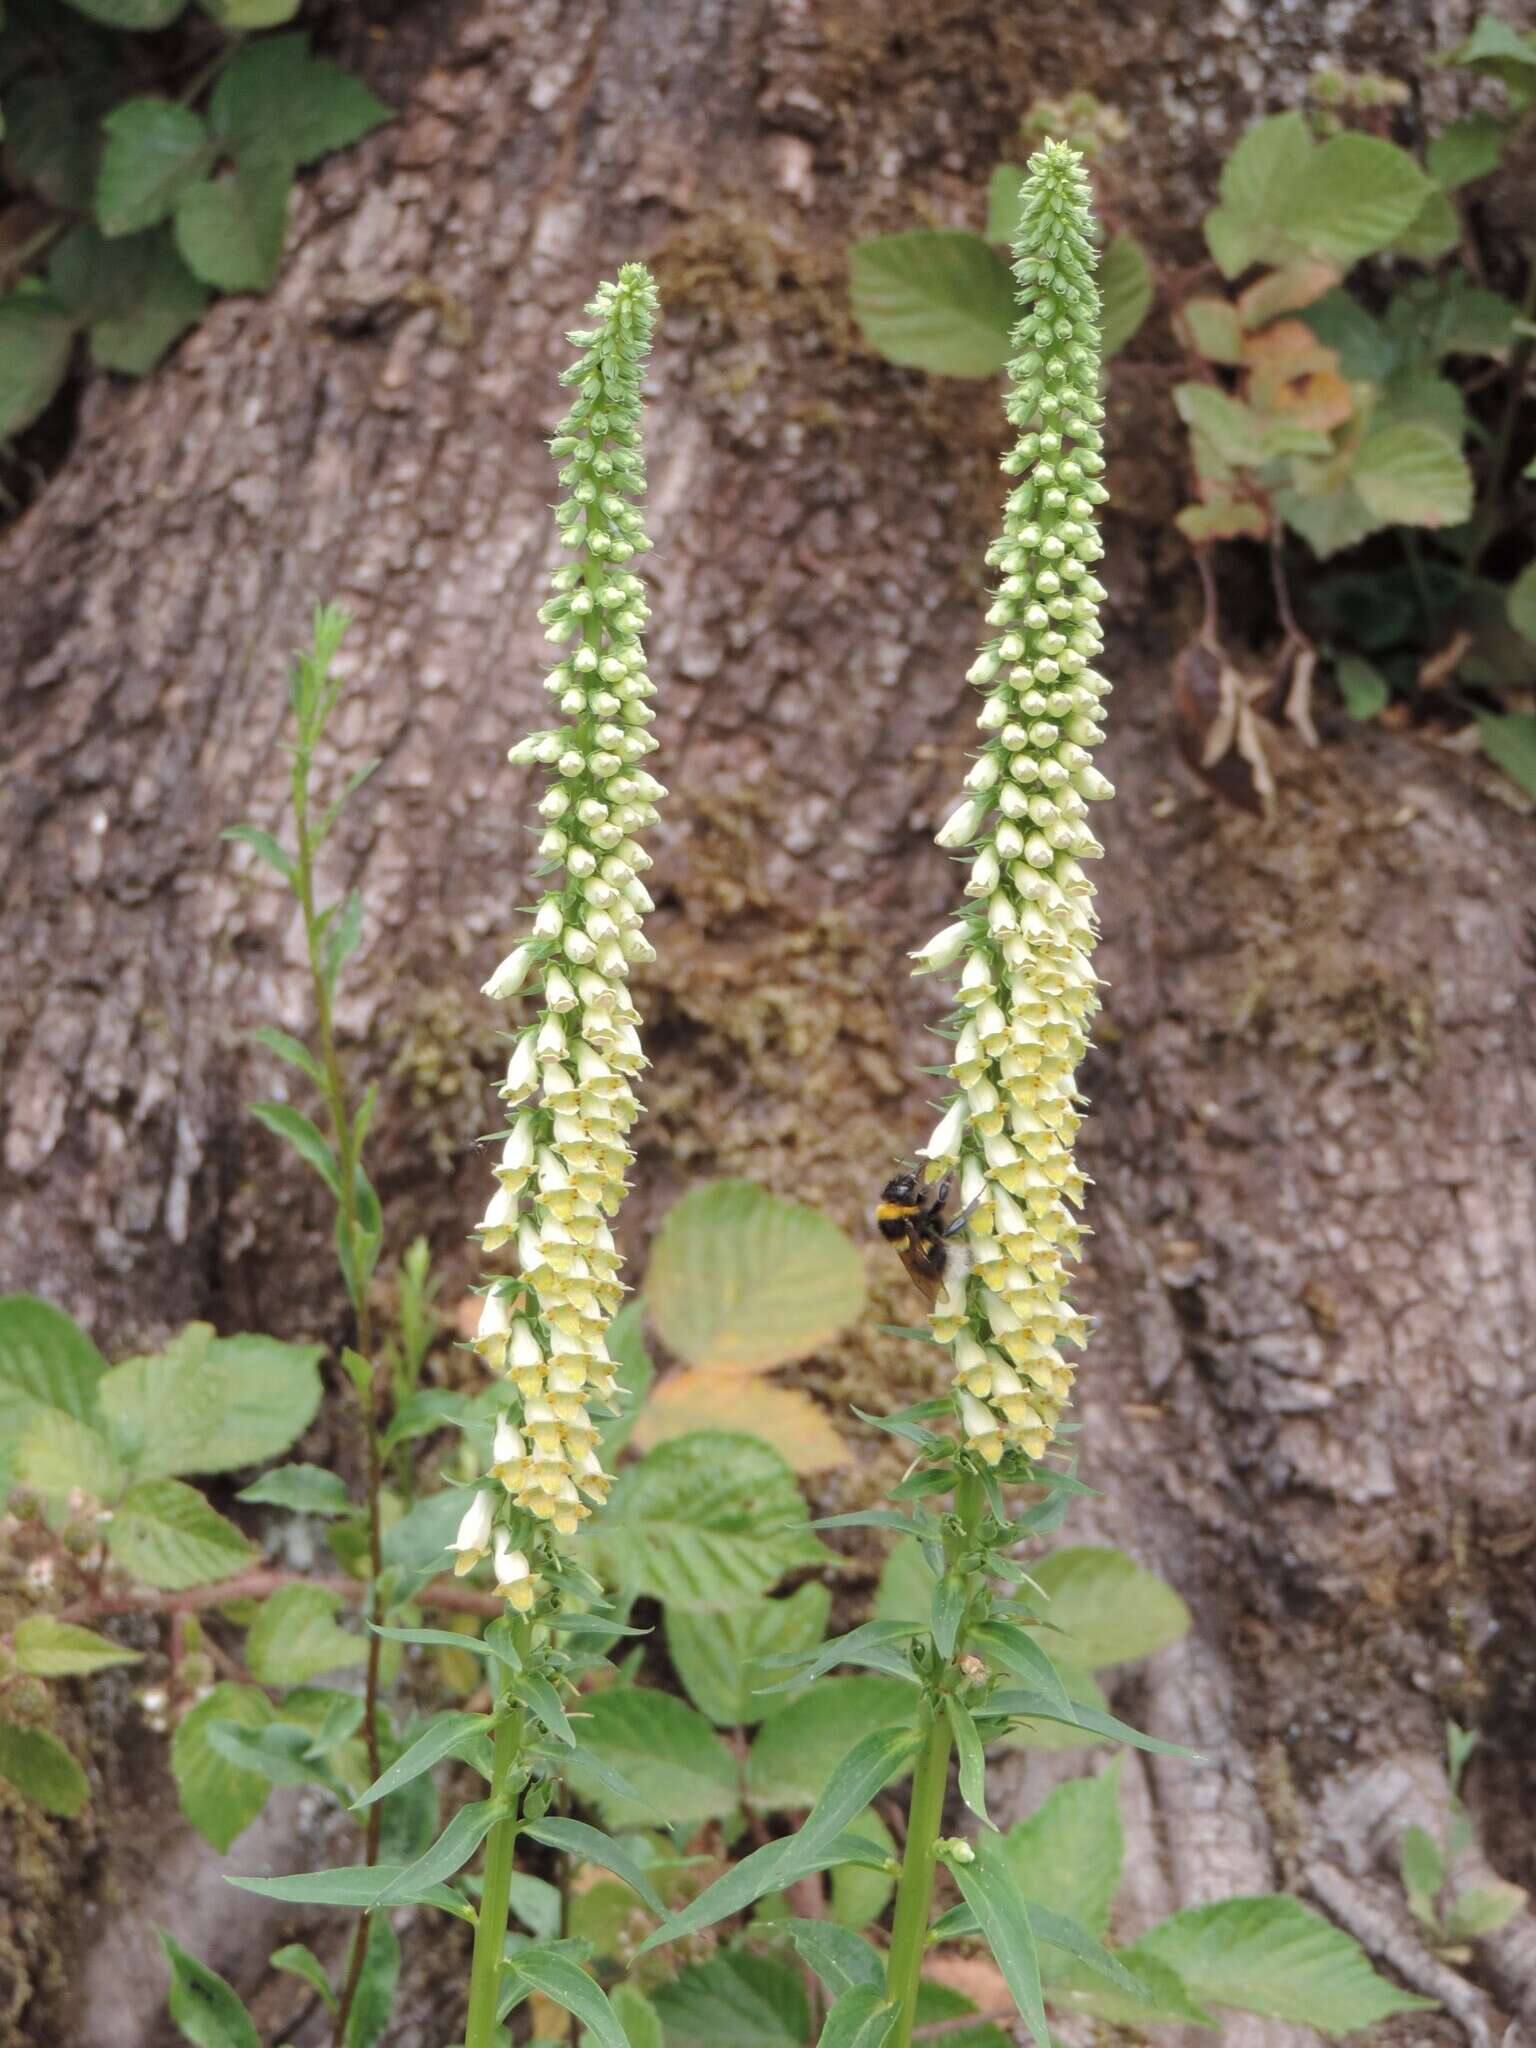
(1310, 1401)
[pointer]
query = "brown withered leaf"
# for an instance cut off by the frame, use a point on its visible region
(1217, 728)
(1293, 374)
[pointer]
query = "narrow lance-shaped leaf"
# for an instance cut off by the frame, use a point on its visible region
(992, 1893)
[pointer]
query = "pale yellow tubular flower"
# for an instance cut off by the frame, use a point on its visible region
(569, 1092)
(1026, 988)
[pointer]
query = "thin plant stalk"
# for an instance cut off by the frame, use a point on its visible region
(919, 1864)
(481, 2029)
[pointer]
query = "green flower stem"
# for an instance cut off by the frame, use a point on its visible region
(333, 1090)
(914, 1892)
(480, 2027)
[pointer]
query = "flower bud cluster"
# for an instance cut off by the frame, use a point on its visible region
(1024, 943)
(568, 1093)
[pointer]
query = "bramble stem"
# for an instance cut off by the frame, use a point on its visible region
(914, 1893)
(480, 2026)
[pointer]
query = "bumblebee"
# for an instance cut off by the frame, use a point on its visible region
(910, 1215)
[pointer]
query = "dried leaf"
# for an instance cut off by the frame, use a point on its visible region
(1284, 291)
(1216, 727)
(707, 1398)
(1294, 374)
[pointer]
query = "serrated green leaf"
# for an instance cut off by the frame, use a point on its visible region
(306, 1489)
(295, 1638)
(162, 1411)
(740, 1279)
(133, 338)
(154, 150)
(1233, 429)
(230, 229)
(795, 1753)
(217, 1797)
(990, 1890)
(204, 2007)
(1214, 328)
(1272, 1956)
(274, 97)
(1413, 475)
(669, 1755)
(933, 299)
(46, 1362)
(42, 1770)
(1069, 1854)
(271, 1394)
(59, 1455)
(1483, 1911)
(1104, 1608)
(1329, 517)
(718, 1655)
(53, 131)
(1367, 352)
(1465, 150)
(48, 1648)
(1352, 196)
(735, 2000)
(165, 1533)
(705, 1520)
(36, 334)
(1255, 179)
(1432, 233)
(1125, 288)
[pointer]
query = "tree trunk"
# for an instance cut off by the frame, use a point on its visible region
(1313, 1107)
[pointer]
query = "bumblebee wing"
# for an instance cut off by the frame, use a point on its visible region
(925, 1267)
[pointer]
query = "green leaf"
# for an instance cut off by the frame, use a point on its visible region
(1163, 2000)
(162, 1410)
(1362, 685)
(274, 97)
(449, 1853)
(1011, 1649)
(271, 1391)
(35, 338)
(289, 1048)
(670, 1756)
(841, 1959)
(230, 229)
(545, 1705)
(740, 1279)
(217, 1797)
(575, 1838)
(992, 1893)
(169, 301)
(1255, 180)
(300, 1961)
(306, 1489)
(934, 299)
(1520, 602)
(735, 2000)
(872, 1643)
(637, 2016)
(1214, 328)
(1104, 1609)
(1432, 233)
(48, 1648)
(343, 936)
(136, 15)
(719, 1656)
(1328, 518)
(446, 1735)
(58, 1455)
(248, 14)
(1233, 429)
(538, 1905)
(42, 1770)
(1070, 1852)
(263, 844)
(279, 1753)
(1003, 188)
(1499, 51)
(359, 1888)
(154, 149)
(434, 1408)
(165, 1533)
(1125, 286)
(865, 1770)
(1367, 352)
(705, 1520)
(971, 1756)
(300, 1132)
(374, 1999)
(203, 2006)
(795, 1753)
(1352, 196)
(906, 1585)
(1465, 150)
(1483, 1911)
(295, 1638)
(1036, 1706)
(1423, 1872)
(1273, 1956)
(859, 1894)
(1510, 743)
(558, 1978)
(46, 1361)
(634, 1372)
(1413, 475)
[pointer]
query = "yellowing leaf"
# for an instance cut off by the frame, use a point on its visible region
(742, 1280)
(1284, 291)
(1294, 374)
(800, 1431)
